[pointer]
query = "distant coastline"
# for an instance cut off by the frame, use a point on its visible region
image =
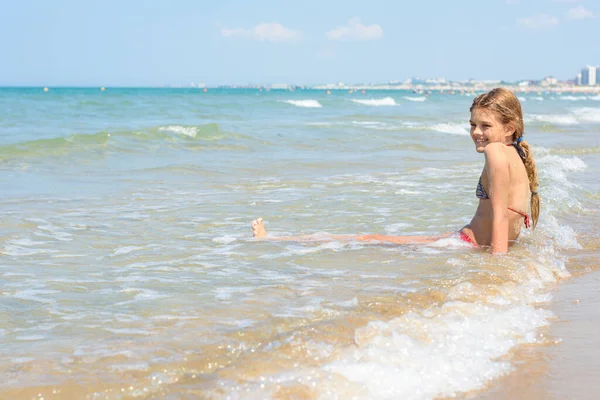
(467, 88)
(448, 88)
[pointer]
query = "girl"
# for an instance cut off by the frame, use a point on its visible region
(507, 186)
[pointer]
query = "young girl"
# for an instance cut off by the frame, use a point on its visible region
(507, 186)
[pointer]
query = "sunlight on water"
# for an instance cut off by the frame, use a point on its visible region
(129, 267)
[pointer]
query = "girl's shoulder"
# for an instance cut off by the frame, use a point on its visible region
(493, 148)
(495, 155)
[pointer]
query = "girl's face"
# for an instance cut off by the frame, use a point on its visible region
(487, 128)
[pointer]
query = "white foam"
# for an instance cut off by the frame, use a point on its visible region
(587, 114)
(408, 192)
(347, 304)
(126, 250)
(24, 241)
(417, 99)
(450, 242)
(316, 249)
(33, 295)
(438, 353)
(47, 230)
(304, 103)
(455, 129)
(128, 331)
(190, 131)
(521, 98)
(393, 228)
(573, 98)
(558, 119)
(18, 251)
(386, 101)
(368, 123)
(224, 239)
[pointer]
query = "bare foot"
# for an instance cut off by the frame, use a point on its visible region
(258, 228)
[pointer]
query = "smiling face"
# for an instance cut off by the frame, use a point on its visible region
(487, 128)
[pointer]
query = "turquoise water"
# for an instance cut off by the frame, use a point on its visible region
(129, 268)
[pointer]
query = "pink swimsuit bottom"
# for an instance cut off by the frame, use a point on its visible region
(465, 238)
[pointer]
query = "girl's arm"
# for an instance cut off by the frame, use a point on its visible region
(498, 177)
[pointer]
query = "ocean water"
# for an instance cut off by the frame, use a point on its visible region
(128, 267)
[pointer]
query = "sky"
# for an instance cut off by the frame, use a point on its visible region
(177, 42)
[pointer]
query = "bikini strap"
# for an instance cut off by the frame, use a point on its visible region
(526, 216)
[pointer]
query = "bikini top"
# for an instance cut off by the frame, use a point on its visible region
(481, 193)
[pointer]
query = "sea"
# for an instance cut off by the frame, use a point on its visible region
(128, 269)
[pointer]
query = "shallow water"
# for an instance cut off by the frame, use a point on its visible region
(128, 267)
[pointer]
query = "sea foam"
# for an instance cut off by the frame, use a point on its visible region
(440, 352)
(417, 99)
(558, 119)
(453, 128)
(304, 103)
(587, 114)
(190, 131)
(573, 98)
(386, 101)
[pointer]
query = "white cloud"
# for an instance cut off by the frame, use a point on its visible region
(271, 31)
(579, 12)
(538, 21)
(355, 31)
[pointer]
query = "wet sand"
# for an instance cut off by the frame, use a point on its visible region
(569, 366)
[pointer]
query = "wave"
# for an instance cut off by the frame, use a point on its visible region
(576, 151)
(418, 345)
(303, 103)
(395, 126)
(587, 114)
(124, 141)
(578, 116)
(417, 99)
(191, 131)
(573, 98)
(453, 128)
(558, 119)
(386, 101)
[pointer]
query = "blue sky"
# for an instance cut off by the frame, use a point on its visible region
(136, 43)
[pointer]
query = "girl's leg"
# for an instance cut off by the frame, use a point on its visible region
(259, 231)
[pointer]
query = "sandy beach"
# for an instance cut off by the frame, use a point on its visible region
(569, 366)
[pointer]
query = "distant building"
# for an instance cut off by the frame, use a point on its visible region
(588, 76)
(578, 79)
(549, 81)
(280, 86)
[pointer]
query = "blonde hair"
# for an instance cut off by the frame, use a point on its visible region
(507, 108)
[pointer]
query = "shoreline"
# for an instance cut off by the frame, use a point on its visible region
(568, 367)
